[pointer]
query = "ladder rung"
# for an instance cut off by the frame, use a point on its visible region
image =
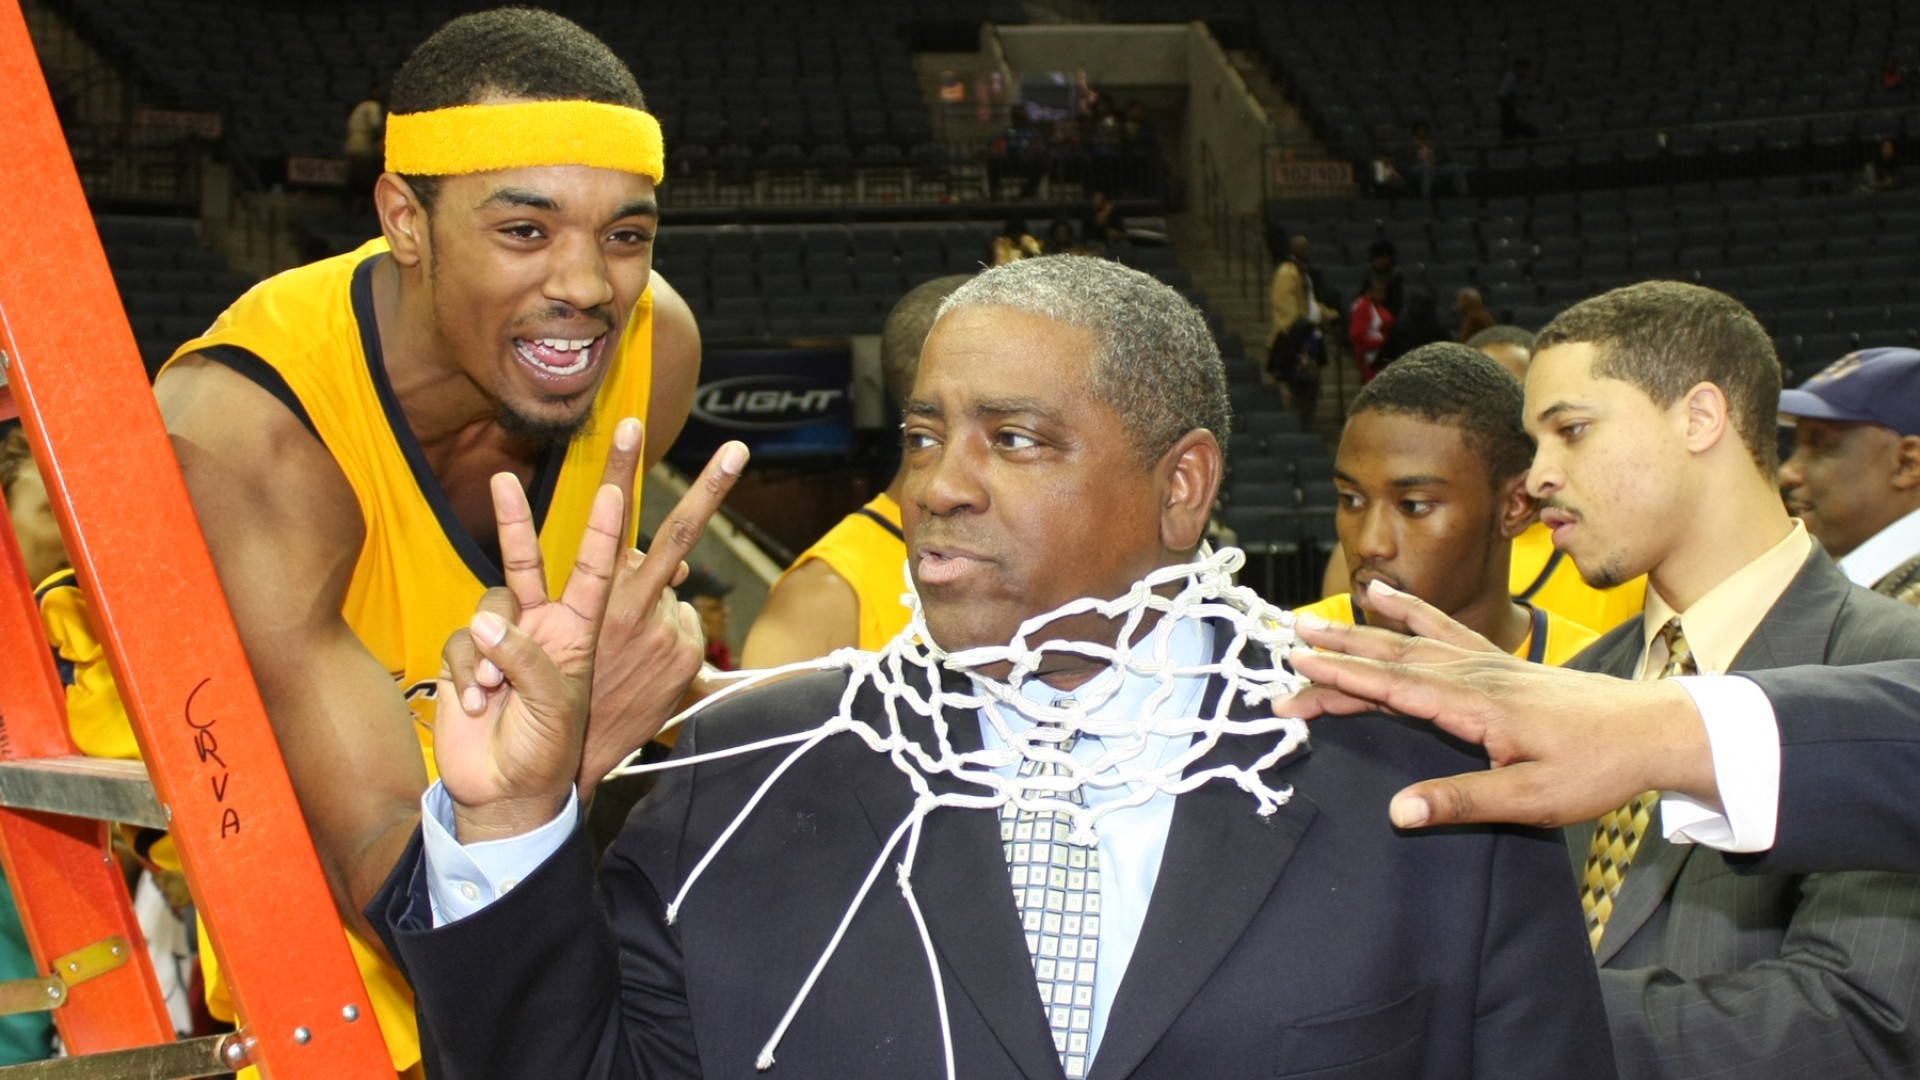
(101, 788)
(206, 1056)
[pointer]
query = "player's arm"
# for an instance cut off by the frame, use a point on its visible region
(676, 369)
(285, 530)
(809, 613)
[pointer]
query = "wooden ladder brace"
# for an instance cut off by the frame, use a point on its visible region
(218, 781)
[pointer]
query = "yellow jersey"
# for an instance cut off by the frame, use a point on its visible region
(1552, 640)
(1546, 577)
(869, 552)
(309, 336)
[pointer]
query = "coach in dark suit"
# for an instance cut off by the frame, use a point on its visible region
(1061, 443)
(1654, 406)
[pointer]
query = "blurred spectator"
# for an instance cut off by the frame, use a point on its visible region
(1510, 346)
(1368, 324)
(1511, 95)
(1385, 178)
(1018, 150)
(1062, 240)
(1893, 77)
(1104, 223)
(1296, 344)
(705, 590)
(1430, 164)
(1418, 325)
(366, 144)
(1474, 316)
(1854, 476)
(1882, 172)
(1015, 243)
(1384, 258)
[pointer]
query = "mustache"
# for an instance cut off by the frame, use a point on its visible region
(568, 313)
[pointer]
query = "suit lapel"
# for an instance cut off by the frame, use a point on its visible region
(1221, 863)
(1799, 625)
(960, 880)
(1794, 631)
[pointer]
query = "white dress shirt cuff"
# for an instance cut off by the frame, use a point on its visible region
(1745, 739)
(463, 878)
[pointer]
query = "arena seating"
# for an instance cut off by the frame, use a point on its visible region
(729, 79)
(1826, 272)
(171, 285)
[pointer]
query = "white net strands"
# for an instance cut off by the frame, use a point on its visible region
(906, 674)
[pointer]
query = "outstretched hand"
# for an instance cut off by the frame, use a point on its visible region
(1565, 746)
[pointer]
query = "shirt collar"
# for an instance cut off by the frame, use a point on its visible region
(1883, 551)
(1719, 623)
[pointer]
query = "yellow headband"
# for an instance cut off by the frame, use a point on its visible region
(485, 138)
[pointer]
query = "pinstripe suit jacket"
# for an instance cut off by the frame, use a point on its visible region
(1709, 973)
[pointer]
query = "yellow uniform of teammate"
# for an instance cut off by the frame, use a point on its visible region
(308, 336)
(1553, 640)
(869, 553)
(1545, 577)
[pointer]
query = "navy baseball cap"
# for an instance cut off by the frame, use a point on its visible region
(1879, 386)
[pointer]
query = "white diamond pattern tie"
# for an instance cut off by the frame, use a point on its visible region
(1056, 886)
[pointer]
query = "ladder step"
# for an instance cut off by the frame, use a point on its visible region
(208, 1056)
(101, 788)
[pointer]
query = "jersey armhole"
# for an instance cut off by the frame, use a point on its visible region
(250, 366)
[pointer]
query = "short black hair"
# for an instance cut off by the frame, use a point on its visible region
(1666, 337)
(1450, 384)
(514, 52)
(702, 581)
(1503, 335)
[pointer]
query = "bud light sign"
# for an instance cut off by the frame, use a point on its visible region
(782, 402)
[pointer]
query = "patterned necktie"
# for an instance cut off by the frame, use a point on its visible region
(1056, 885)
(1616, 836)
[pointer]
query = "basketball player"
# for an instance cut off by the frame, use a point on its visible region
(337, 427)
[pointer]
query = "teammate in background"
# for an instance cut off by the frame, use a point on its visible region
(1432, 472)
(341, 425)
(845, 590)
(1538, 575)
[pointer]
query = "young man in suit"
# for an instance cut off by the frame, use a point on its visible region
(1432, 476)
(1063, 442)
(1654, 407)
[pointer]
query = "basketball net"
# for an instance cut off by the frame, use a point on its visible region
(906, 675)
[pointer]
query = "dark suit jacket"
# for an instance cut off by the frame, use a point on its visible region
(1708, 973)
(1315, 942)
(1849, 752)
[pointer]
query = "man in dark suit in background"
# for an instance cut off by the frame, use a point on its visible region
(1063, 441)
(1654, 407)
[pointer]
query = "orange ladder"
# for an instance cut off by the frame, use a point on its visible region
(217, 779)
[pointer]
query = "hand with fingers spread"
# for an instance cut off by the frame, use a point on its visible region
(1565, 745)
(509, 755)
(651, 645)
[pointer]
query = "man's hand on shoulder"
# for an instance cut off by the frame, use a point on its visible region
(1565, 746)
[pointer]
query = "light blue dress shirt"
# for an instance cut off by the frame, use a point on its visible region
(462, 879)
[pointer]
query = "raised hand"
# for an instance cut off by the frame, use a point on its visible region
(509, 755)
(651, 645)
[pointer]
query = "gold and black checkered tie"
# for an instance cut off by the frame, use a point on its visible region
(1617, 836)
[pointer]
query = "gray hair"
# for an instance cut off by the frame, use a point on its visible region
(1155, 363)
